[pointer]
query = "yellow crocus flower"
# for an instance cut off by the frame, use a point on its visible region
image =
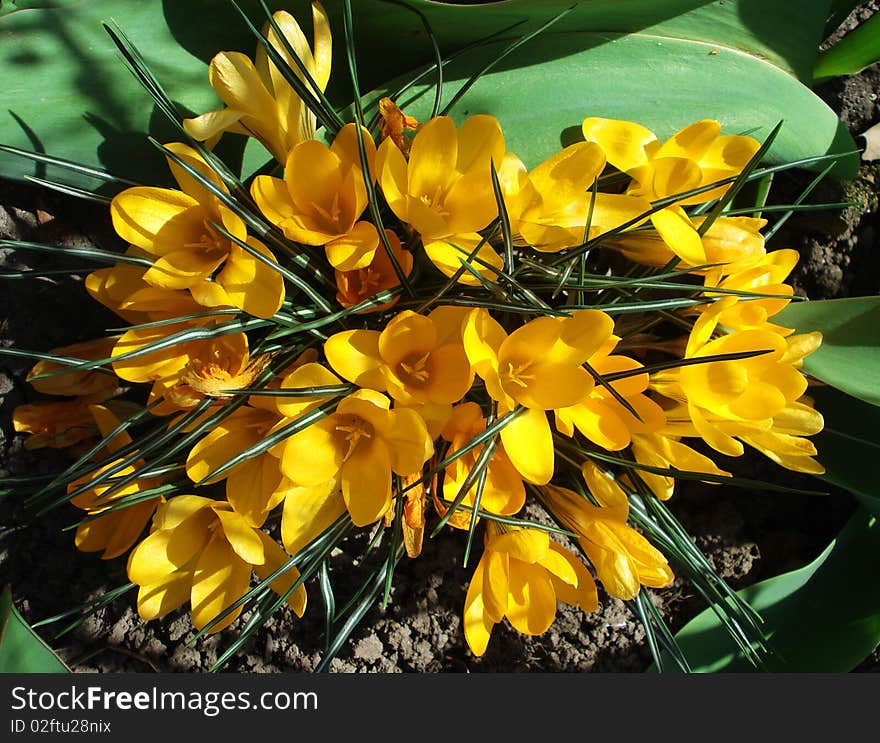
(548, 207)
(54, 424)
(91, 385)
(601, 417)
(358, 446)
(444, 191)
(727, 402)
(255, 486)
(114, 532)
(697, 155)
(521, 575)
(765, 274)
(354, 286)
(624, 560)
(321, 198)
(416, 359)
(203, 551)
(665, 450)
(693, 157)
(732, 241)
(175, 228)
(539, 367)
(260, 102)
(122, 288)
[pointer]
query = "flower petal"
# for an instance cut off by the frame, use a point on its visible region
(276, 558)
(355, 249)
(477, 623)
(355, 356)
(220, 579)
(531, 605)
(308, 512)
(623, 141)
(155, 219)
(311, 456)
(528, 442)
(366, 482)
(242, 537)
(251, 284)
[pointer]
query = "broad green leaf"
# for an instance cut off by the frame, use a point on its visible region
(849, 357)
(67, 93)
(662, 83)
(824, 617)
(855, 51)
(849, 445)
(21, 649)
(766, 28)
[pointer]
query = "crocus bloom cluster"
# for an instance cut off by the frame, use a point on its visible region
(305, 363)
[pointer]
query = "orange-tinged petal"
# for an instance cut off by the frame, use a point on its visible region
(95, 383)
